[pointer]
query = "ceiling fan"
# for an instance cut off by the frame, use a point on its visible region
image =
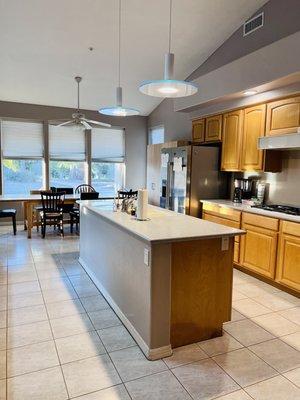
(78, 118)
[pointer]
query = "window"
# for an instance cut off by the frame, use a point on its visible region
(157, 134)
(108, 154)
(67, 156)
(22, 149)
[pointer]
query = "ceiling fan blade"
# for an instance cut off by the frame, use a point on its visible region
(85, 124)
(98, 123)
(65, 123)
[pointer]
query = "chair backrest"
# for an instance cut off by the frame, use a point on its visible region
(126, 194)
(67, 190)
(52, 202)
(84, 188)
(89, 195)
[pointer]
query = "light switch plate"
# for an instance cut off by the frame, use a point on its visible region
(225, 243)
(146, 257)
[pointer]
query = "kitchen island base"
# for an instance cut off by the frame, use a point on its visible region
(167, 293)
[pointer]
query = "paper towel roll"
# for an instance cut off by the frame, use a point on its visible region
(142, 205)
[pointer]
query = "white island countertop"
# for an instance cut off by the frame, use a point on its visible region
(253, 210)
(163, 225)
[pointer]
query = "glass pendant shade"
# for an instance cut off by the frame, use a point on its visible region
(168, 87)
(119, 110)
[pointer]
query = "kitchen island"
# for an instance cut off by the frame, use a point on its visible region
(169, 279)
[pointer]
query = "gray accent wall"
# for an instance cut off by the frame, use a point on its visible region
(281, 19)
(135, 131)
(177, 125)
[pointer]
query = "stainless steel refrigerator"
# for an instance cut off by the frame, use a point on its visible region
(190, 174)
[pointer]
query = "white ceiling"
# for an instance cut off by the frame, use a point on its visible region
(44, 44)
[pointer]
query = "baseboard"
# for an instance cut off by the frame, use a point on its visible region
(151, 354)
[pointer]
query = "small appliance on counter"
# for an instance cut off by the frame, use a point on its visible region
(242, 190)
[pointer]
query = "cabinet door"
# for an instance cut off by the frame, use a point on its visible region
(232, 140)
(198, 130)
(258, 250)
(288, 262)
(283, 116)
(213, 128)
(254, 127)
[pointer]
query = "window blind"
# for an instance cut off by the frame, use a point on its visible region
(22, 139)
(108, 144)
(67, 143)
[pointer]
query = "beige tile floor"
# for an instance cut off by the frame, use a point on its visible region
(59, 338)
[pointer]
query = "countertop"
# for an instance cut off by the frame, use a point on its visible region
(246, 208)
(163, 225)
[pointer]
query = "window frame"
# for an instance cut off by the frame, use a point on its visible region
(151, 129)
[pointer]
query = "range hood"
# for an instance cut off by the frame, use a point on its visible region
(289, 141)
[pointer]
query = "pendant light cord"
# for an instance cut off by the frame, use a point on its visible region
(119, 54)
(170, 26)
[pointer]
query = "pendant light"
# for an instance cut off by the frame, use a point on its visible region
(119, 110)
(168, 87)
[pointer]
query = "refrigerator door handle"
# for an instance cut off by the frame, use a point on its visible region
(170, 185)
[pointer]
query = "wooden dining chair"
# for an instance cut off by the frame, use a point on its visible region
(84, 188)
(52, 213)
(37, 209)
(10, 213)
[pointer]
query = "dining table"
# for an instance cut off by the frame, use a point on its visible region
(29, 202)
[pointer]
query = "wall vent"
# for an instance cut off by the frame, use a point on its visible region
(253, 24)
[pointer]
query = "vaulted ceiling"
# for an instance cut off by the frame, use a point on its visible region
(45, 43)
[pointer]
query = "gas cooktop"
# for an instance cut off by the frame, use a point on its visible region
(280, 208)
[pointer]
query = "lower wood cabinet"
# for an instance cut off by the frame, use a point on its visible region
(288, 265)
(259, 245)
(270, 248)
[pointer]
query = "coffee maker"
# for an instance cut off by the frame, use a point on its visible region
(242, 189)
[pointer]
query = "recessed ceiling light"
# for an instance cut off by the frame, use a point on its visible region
(250, 92)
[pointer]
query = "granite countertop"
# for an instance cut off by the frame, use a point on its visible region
(163, 225)
(246, 208)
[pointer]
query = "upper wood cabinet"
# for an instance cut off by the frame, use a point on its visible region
(283, 116)
(198, 133)
(232, 140)
(288, 262)
(254, 127)
(213, 128)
